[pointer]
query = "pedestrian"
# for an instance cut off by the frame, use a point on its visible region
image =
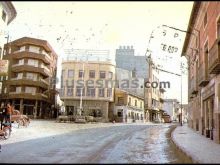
(2, 113)
(8, 113)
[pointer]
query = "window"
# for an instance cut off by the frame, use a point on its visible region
(79, 90)
(120, 100)
(31, 76)
(98, 113)
(33, 62)
(109, 92)
(205, 20)
(5, 90)
(22, 48)
(206, 54)
(18, 89)
(91, 92)
(3, 15)
(133, 73)
(62, 91)
(102, 74)
(31, 90)
(63, 73)
(129, 102)
(81, 74)
(135, 102)
(68, 83)
(21, 62)
(110, 75)
(101, 92)
(218, 29)
(120, 113)
(141, 104)
(91, 74)
(69, 91)
(19, 75)
(34, 49)
(70, 73)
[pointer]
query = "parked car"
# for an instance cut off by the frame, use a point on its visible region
(80, 119)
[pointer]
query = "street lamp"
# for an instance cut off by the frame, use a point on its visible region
(83, 66)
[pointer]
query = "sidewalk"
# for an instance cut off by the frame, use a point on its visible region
(195, 145)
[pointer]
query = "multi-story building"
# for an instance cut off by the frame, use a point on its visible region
(126, 59)
(128, 81)
(202, 49)
(128, 107)
(153, 94)
(172, 108)
(31, 81)
(8, 14)
(87, 85)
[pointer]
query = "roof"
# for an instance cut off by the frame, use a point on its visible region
(129, 93)
(34, 41)
(192, 20)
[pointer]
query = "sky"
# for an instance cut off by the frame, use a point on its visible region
(106, 25)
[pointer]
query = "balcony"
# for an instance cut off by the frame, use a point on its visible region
(25, 67)
(29, 81)
(214, 58)
(32, 54)
(203, 76)
(24, 95)
(193, 86)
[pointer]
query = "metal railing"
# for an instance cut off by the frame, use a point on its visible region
(38, 52)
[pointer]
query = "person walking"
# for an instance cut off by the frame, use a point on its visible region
(8, 113)
(2, 113)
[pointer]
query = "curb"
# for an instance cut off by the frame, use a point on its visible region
(181, 149)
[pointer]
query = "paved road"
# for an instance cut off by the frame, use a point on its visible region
(120, 144)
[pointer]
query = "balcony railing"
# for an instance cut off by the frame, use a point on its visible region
(29, 94)
(17, 64)
(214, 58)
(38, 52)
(203, 76)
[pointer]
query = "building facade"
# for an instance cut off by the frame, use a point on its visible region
(202, 49)
(128, 81)
(153, 95)
(125, 58)
(172, 108)
(86, 86)
(31, 81)
(128, 107)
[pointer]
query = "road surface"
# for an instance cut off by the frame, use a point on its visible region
(126, 143)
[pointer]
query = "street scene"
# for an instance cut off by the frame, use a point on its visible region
(91, 143)
(109, 82)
